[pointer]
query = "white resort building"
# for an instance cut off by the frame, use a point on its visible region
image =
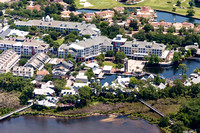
(86, 49)
(8, 59)
(23, 46)
(139, 49)
(38, 61)
(26, 72)
(47, 23)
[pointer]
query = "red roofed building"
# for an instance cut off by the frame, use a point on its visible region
(119, 9)
(41, 74)
(188, 25)
(197, 29)
(157, 25)
(106, 15)
(44, 72)
(37, 7)
(89, 16)
(146, 12)
(65, 14)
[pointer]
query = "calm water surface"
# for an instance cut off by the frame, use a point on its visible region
(168, 17)
(31, 124)
(174, 71)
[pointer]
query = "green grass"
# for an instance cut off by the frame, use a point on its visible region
(59, 41)
(100, 4)
(109, 64)
(165, 5)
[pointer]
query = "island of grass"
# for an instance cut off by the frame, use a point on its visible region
(164, 5)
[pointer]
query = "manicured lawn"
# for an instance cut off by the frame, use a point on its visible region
(167, 5)
(100, 4)
(59, 41)
(109, 64)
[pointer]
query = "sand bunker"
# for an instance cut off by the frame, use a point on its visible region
(85, 3)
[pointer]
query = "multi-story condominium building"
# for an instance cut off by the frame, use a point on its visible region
(38, 61)
(139, 49)
(24, 46)
(47, 23)
(8, 59)
(26, 72)
(118, 41)
(86, 49)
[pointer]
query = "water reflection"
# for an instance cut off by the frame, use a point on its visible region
(168, 17)
(32, 124)
(173, 71)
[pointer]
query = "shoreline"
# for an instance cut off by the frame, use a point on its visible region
(166, 11)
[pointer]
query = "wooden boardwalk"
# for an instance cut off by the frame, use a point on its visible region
(152, 108)
(16, 111)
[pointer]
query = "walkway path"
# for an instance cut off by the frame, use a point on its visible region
(155, 110)
(16, 111)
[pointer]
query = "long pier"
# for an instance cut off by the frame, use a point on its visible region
(152, 108)
(16, 111)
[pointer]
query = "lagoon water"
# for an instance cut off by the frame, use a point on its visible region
(173, 71)
(167, 16)
(93, 124)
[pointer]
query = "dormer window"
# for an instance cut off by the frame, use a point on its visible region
(134, 45)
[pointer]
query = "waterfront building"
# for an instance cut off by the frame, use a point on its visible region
(66, 13)
(49, 101)
(188, 25)
(47, 23)
(165, 25)
(106, 15)
(85, 49)
(107, 69)
(139, 49)
(26, 72)
(146, 12)
(119, 9)
(45, 89)
(23, 46)
(8, 59)
(38, 61)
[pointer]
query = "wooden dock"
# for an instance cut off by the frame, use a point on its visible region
(16, 111)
